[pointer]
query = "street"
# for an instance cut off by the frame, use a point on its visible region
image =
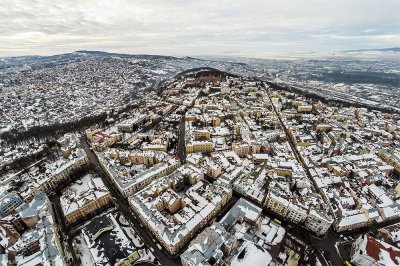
(64, 230)
(124, 208)
(325, 246)
(181, 143)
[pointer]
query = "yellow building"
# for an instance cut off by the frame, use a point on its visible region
(171, 201)
(201, 134)
(323, 128)
(84, 197)
(338, 170)
(304, 108)
(216, 121)
(397, 189)
(297, 103)
(190, 117)
(282, 171)
(391, 158)
(155, 147)
(88, 208)
(277, 204)
(340, 117)
(199, 146)
(241, 148)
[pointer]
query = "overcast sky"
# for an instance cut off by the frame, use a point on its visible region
(203, 27)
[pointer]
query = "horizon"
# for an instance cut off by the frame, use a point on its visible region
(218, 57)
(181, 28)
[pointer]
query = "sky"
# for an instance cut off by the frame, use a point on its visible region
(256, 28)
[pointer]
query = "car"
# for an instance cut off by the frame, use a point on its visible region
(159, 246)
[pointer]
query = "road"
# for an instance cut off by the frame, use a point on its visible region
(325, 245)
(64, 230)
(181, 142)
(321, 246)
(124, 208)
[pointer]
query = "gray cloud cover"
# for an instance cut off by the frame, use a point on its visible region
(178, 27)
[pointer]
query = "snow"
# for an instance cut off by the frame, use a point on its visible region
(146, 255)
(250, 214)
(280, 234)
(3, 238)
(84, 252)
(82, 192)
(391, 212)
(385, 259)
(353, 219)
(253, 255)
(34, 259)
(133, 236)
(271, 233)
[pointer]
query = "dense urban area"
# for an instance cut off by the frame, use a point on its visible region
(109, 159)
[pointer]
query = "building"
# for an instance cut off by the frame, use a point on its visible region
(206, 248)
(296, 212)
(277, 204)
(159, 141)
(201, 134)
(315, 220)
(304, 108)
(214, 170)
(199, 146)
(323, 128)
(258, 158)
(241, 148)
(351, 221)
(369, 251)
(243, 237)
(318, 221)
(101, 140)
(107, 242)
(128, 184)
(130, 125)
(83, 198)
(9, 201)
(391, 157)
(62, 169)
(40, 243)
(174, 218)
(390, 234)
(30, 212)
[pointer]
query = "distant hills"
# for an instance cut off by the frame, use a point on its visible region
(393, 49)
(93, 52)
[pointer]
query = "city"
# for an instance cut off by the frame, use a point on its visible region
(211, 168)
(199, 133)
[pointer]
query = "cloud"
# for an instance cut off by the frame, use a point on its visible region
(178, 27)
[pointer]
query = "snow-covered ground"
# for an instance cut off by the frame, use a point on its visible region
(127, 234)
(83, 251)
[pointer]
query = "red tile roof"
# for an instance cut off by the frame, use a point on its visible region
(374, 247)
